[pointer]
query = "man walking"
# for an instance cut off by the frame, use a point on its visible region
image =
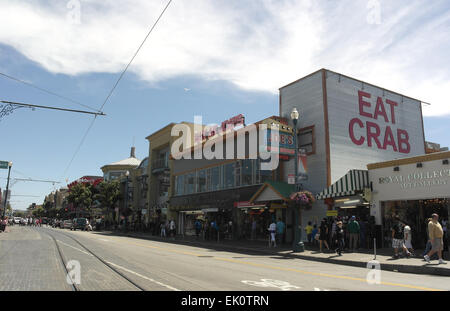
(353, 230)
(436, 237)
(272, 230)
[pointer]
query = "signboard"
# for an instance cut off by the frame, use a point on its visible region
(302, 165)
(332, 213)
(291, 179)
(4, 165)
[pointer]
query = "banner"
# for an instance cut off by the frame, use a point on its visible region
(302, 165)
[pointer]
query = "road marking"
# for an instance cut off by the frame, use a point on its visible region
(323, 274)
(80, 250)
(144, 277)
(104, 240)
(285, 269)
(271, 283)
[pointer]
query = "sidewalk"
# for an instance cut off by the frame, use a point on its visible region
(356, 259)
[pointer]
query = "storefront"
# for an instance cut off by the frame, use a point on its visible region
(412, 188)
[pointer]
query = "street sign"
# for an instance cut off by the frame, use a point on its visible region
(4, 165)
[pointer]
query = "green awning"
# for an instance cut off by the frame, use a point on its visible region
(279, 191)
(350, 184)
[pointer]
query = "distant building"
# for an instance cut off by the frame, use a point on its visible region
(118, 169)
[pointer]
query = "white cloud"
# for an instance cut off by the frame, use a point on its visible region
(257, 45)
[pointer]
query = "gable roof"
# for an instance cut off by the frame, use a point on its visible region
(282, 189)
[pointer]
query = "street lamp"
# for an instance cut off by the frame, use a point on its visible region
(297, 245)
(7, 187)
(127, 174)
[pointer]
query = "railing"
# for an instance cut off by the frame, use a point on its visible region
(159, 164)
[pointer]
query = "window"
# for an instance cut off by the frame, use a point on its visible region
(179, 185)
(247, 172)
(237, 172)
(215, 178)
(201, 181)
(208, 179)
(307, 140)
(263, 176)
(190, 183)
(228, 175)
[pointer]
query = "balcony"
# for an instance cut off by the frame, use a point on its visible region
(160, 165)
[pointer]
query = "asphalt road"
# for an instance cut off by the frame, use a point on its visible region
(29, 260)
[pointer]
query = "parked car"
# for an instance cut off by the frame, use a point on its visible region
(17, 220)
(79, 223)
(57, 223)
(66, 224)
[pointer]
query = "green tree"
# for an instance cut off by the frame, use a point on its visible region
(81, 197)
(38, 212)
(108, 194)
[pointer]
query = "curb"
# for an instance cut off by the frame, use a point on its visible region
(383, 266)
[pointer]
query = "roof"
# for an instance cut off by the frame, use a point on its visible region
(342, 75)
(283, 189)
(127, 162)
(411, 160)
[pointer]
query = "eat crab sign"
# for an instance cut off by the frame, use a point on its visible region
(377, 135)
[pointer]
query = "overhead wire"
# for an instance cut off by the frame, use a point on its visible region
(115, 86)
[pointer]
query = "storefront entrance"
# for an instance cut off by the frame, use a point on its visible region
(414, 213)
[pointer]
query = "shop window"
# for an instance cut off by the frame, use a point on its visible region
(201, 181)
(229, 175)
(179, 184)
(237, 166)
(247, 172)
(190, 183)
(208, 179)
(307, 140)
(215, 178)
(263, 175)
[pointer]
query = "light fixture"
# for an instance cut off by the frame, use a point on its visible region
(396, 169)
(294, 114)
(341, 200)
(419, 165)
(445, 162)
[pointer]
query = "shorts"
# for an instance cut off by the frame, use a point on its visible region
(408, 244)
(437, 244)
(272, 236)
(397, 243)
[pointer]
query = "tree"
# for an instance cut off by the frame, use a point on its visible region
(38, 212)
(108, 194)
(81, 197)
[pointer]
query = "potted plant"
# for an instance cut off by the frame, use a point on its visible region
(304, 199)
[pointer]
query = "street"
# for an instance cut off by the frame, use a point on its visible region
(30, 261)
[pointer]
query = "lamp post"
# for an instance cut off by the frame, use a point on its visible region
(127, 174)
(7, 187)
(297, 245)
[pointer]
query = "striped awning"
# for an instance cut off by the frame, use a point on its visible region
(351, 183)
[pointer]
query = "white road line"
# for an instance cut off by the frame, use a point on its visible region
(144, 277)
(80, 250)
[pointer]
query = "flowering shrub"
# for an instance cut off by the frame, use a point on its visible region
(303, 198)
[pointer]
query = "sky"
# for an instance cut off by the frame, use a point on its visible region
(215, 58)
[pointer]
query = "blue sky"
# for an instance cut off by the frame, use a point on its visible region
(232, 56)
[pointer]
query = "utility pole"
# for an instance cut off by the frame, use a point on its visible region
(7, 188)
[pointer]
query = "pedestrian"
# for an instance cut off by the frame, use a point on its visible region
(428, 245)
(339, 238)
(281, 227)
(323, 234)
(435, 234)
(353, 230)
(272, 230)
(207, 230)
(308, 230)
(163, 229)
(444, 224)
(398, 238)
(363, 233)
(315, 234)
(407, 237)
(172, 228)
(198, 227)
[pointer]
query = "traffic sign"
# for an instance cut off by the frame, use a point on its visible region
(4, 165)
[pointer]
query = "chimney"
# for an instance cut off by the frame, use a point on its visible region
(133, 152)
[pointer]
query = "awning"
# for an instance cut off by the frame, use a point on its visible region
(273, 191)
(351, 183)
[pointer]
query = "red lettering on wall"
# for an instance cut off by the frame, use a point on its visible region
(351, 125)
(373, 135)
(389, 139)
(379, 110)
(362, 103)
(393, 105)
(403, 139)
